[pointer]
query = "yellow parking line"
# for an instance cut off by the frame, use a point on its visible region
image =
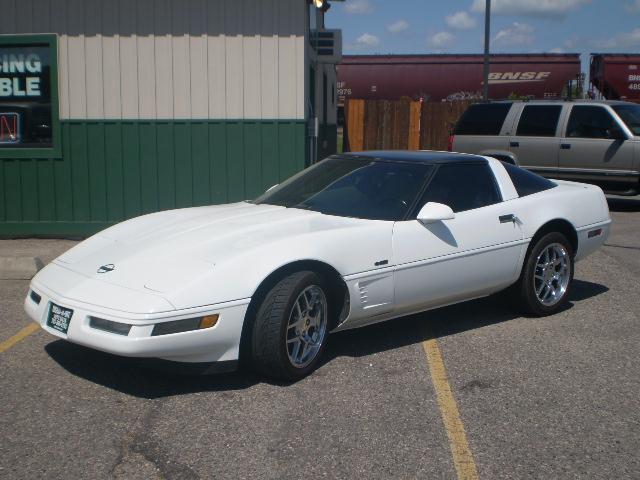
(21, 335)
(462, 457)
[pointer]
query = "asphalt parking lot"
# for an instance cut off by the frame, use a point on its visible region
(557, 397)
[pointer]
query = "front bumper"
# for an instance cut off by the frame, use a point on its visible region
(220, 343)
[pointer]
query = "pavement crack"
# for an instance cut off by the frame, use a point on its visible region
(143, 457)
(476, 385)
(621, 246)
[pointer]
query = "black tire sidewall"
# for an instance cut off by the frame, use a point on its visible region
(532, 303)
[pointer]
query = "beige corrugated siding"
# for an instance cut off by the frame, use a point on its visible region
(146, 59)
(93, 47)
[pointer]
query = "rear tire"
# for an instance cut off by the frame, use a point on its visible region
(291, 326)
(547, 276)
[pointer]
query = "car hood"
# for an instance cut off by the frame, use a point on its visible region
(167, 251)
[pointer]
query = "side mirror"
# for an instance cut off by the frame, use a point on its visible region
(434, 212)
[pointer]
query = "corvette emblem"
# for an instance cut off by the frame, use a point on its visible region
(106, 268)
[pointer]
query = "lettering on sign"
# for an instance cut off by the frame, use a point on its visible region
(517, 77)
(26, 116)
(343, 89)
(19, 86)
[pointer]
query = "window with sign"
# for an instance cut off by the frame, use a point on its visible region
(28, 95)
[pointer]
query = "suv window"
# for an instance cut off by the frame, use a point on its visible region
(590, 122)
(483, 119)
(526, 182)
(462, 187)
(630, 114)
(539, 120)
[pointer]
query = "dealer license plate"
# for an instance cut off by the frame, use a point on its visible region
(59, 318)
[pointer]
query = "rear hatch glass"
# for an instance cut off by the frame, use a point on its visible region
(483, 119)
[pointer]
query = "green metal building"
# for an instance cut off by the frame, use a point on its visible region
(114, 109)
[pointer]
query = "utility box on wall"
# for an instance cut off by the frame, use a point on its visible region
(147, 105)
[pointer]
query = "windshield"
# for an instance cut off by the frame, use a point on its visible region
(347, 187)
(630, 115)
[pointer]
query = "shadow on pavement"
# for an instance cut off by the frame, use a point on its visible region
(439, 323)
(127, 375)
(583, 290)
(624, 204)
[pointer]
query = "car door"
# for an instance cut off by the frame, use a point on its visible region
(473, 254)
(591, 149)
(536, 141)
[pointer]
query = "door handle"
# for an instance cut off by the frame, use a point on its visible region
(514, 144)
(507, 218)
(565, 146)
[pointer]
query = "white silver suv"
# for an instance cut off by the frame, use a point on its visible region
(587, 141)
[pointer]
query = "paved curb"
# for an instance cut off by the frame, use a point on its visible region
(19, 268)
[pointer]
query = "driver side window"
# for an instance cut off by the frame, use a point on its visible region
(462, 187)
(590, 122)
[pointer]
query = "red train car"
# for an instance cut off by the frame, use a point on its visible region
(616, 75)
(450, 77)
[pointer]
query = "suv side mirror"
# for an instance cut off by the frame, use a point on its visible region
(434, 212)
(616, 133)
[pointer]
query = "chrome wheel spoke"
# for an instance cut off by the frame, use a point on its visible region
(296, 348)
(315, 320)
(305, 346)
(295, 324)
(308, 301)
(548, 294)
(309, 340)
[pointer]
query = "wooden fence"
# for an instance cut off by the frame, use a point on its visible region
(401, 124)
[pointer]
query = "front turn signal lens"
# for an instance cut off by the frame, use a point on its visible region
(208, 321)
(186, 325)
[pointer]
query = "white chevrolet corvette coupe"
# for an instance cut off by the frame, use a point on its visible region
(353, 240)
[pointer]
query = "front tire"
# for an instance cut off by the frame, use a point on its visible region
(291, 326)
(547, 276)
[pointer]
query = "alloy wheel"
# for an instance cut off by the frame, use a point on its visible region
(307, 326)
(552, 274)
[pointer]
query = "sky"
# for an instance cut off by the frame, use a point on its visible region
(457, 26)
